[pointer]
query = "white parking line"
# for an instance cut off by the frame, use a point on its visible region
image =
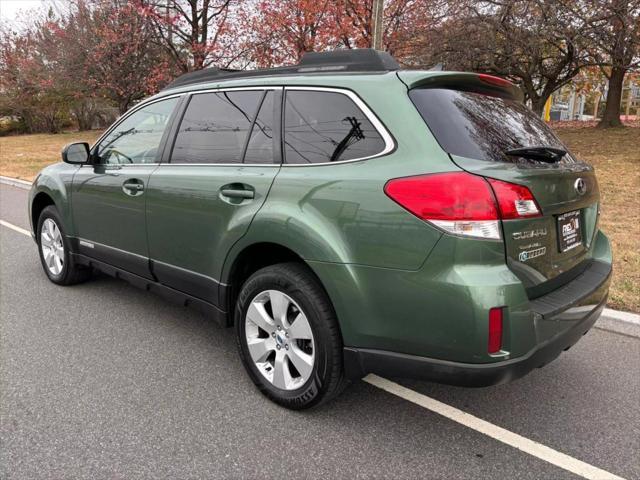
(15, 227)
(498, 433)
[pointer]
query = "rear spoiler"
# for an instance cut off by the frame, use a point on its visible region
(463, 81)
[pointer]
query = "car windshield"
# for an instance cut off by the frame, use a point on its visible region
(483, 127)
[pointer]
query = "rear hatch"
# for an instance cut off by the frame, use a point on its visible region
(486, 129)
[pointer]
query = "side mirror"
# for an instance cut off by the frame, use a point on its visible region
(76, 153)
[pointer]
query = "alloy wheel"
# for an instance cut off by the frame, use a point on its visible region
(280, 340)
(52, 246)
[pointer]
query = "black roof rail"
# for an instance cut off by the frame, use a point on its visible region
(361, 59)
(337, 61)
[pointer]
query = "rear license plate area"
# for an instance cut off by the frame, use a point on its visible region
(569, 227)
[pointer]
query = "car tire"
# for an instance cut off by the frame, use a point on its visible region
(288, 336)
(55, 252)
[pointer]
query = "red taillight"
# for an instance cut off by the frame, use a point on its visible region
(492, 80)
(514, 201)
(463, 203)
(457, 202)
(495, 330)
(444, 196)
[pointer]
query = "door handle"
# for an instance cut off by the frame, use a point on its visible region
(133, 187)
(237, 193)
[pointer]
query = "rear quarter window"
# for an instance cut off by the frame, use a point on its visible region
(322, 127)
(481, 126)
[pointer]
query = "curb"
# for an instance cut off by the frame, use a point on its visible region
(628, 317)
(15, 182)
(624, 323)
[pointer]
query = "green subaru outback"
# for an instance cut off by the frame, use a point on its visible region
(345, 217)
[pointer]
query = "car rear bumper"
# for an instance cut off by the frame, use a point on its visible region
(359, 362)
(432, 323)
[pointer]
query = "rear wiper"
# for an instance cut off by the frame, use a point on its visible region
(543, 154)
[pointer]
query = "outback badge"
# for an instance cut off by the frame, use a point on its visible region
(528, 255)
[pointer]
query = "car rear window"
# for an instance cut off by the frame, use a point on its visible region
(482, 127)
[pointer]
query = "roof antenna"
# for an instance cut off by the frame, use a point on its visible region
(438, 67)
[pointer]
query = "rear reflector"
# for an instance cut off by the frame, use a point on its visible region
(514, 201)
(495, 330)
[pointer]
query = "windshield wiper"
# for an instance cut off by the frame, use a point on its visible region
(543, 154)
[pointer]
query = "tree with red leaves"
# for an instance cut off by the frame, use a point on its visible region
(32, 87)
(403, 21)
(196, 33)
(282, 30)
(101, 52)
(124, 62)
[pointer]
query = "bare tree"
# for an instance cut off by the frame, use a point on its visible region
(613, 28)
(539, 44)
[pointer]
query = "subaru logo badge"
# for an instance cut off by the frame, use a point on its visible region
(580, 186)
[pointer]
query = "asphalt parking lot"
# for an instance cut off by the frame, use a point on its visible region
(103, 380)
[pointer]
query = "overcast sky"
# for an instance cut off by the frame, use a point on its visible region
(10, 9)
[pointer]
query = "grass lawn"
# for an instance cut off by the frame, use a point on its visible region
(615, 153)
(23, 156)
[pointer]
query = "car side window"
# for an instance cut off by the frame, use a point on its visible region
(215, 126)
(322, 127)
(137, 138)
